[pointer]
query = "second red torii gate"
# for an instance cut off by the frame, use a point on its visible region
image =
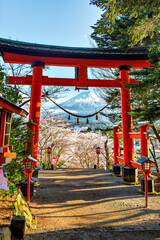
(39, 55)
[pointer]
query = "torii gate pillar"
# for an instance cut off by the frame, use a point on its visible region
(126, 118)
(35, 105)
(129, 173)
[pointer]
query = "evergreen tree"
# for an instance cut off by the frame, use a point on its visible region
(19, 137)
(146, 15)
(116, 35)
(8, 92)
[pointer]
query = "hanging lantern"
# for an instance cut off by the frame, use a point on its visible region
(78, 120)
(87, 121)
(96, 116)
(69, 117)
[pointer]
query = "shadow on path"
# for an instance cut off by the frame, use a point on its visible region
(91, 204)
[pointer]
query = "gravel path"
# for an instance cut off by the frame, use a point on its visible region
(91, 204)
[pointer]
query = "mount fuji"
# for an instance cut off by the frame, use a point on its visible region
(85, 103)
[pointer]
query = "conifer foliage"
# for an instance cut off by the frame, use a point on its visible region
(145, 12)
(113, 30)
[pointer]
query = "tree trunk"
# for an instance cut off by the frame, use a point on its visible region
(154, 156)
(155, 132)
(107, 155)
(41, 156)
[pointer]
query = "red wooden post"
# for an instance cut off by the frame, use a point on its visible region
(35, 103)
(2, 126)
(82, 75)
(144, 141)
(146, 167)
(29, 164)
(126, 118)
(28, 189)
(116, 145)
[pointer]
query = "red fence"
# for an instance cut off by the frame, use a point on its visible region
(142, 135)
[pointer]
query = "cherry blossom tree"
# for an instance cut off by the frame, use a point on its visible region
(71, 147)
(53, 131)
(84, 152)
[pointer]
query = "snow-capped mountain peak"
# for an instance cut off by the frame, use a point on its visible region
(85, 103)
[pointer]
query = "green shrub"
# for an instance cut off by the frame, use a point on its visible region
(58, 165)
(15, 174)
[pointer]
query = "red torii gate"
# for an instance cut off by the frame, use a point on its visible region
(39, 55)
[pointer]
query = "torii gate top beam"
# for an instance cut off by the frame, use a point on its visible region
(25, 53)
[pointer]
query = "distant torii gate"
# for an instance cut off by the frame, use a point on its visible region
(39, 55)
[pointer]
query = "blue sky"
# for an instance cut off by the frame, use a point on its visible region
(55, 22)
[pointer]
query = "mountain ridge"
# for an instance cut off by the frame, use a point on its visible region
(83, 104)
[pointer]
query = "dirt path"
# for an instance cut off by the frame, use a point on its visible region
(91, 204)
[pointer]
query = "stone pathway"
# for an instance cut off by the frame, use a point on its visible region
(91, 204)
